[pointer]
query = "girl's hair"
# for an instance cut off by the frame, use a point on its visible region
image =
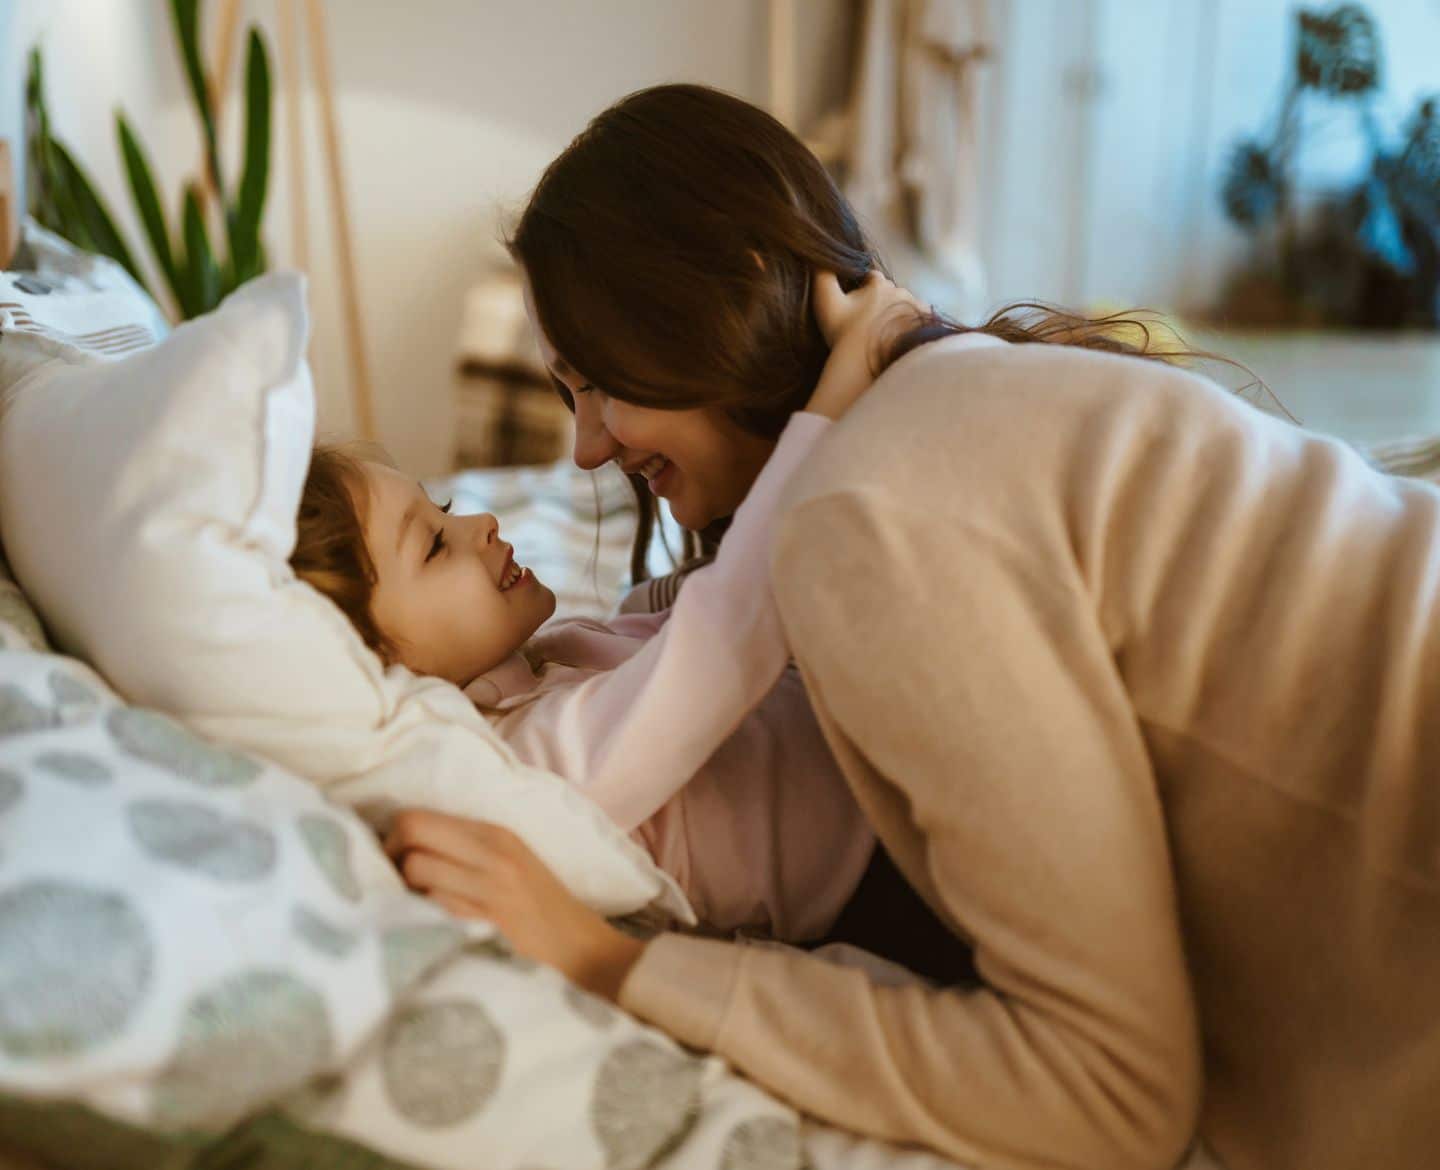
(330, 552)
(669, 251)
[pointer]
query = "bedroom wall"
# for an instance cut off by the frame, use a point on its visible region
(1107, 123)
(1112, 121)
(449, 110)
(98, 55)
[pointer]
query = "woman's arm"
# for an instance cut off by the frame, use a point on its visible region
(946, 611)
(978, 707)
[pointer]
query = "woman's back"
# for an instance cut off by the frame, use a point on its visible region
(1114, 554)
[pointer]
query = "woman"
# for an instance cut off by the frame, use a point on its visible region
(1131, 680)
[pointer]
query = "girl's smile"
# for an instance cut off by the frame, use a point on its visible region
(448, 591)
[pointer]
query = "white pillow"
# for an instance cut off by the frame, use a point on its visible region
(148, 509)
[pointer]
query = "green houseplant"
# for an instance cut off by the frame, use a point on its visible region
(63, 199)
(1365, 253)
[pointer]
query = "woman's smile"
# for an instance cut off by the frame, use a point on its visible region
(658, 473)
(657, 470)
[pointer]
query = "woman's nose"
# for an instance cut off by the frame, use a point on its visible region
(489, 528)
(595, 446)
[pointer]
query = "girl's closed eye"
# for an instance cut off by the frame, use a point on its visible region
(438, 544)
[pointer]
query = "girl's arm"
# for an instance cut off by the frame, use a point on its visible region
(633, 736)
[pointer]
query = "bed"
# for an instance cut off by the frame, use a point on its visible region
(586, 1085)
(206, 963)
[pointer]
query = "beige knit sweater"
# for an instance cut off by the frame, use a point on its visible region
(1142, 690)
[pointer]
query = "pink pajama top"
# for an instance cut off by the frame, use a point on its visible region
(694, 734)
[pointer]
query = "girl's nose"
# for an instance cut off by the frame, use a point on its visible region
(489, 528)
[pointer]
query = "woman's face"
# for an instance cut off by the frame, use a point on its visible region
(698, 460)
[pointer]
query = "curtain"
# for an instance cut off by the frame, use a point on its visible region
(912, 168)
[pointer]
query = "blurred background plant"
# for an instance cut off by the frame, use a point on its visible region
(1366, 253)
(62, 197)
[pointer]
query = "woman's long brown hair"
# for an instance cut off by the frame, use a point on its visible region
(670, 249)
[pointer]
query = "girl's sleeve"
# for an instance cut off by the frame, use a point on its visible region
(634, 736)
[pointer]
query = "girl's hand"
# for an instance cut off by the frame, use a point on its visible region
(480, 870)
(856, 325)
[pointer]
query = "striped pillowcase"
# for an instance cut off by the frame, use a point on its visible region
(114, 342)
(60, 302)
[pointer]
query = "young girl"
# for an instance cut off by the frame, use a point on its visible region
(683, 725)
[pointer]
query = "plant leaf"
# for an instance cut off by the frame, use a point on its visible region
(41, 164)
(95, 215)
(204, 274)
(152, 214)
(250, 203)
(68, 219)
(185, 15)
(55, 205)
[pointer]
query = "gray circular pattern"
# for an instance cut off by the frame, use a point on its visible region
(763, 1143)
(197, 838)
(323, 936)
(246, 1041)
(75, 962)
(20, 714)
(329, 845)
(590, 1008)
(68, 691)
(646, 1100)
(165, 744)
(407, 952)
(441, 1062)
(75, 767)
(12, 788)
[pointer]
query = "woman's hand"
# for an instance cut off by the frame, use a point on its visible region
(856, 324)
(480, 870)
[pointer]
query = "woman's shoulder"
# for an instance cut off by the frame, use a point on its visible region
(975, 353)
(1014, 418)
(981, 381)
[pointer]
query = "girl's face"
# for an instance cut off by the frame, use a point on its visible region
(698, 460)
(448, 592)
